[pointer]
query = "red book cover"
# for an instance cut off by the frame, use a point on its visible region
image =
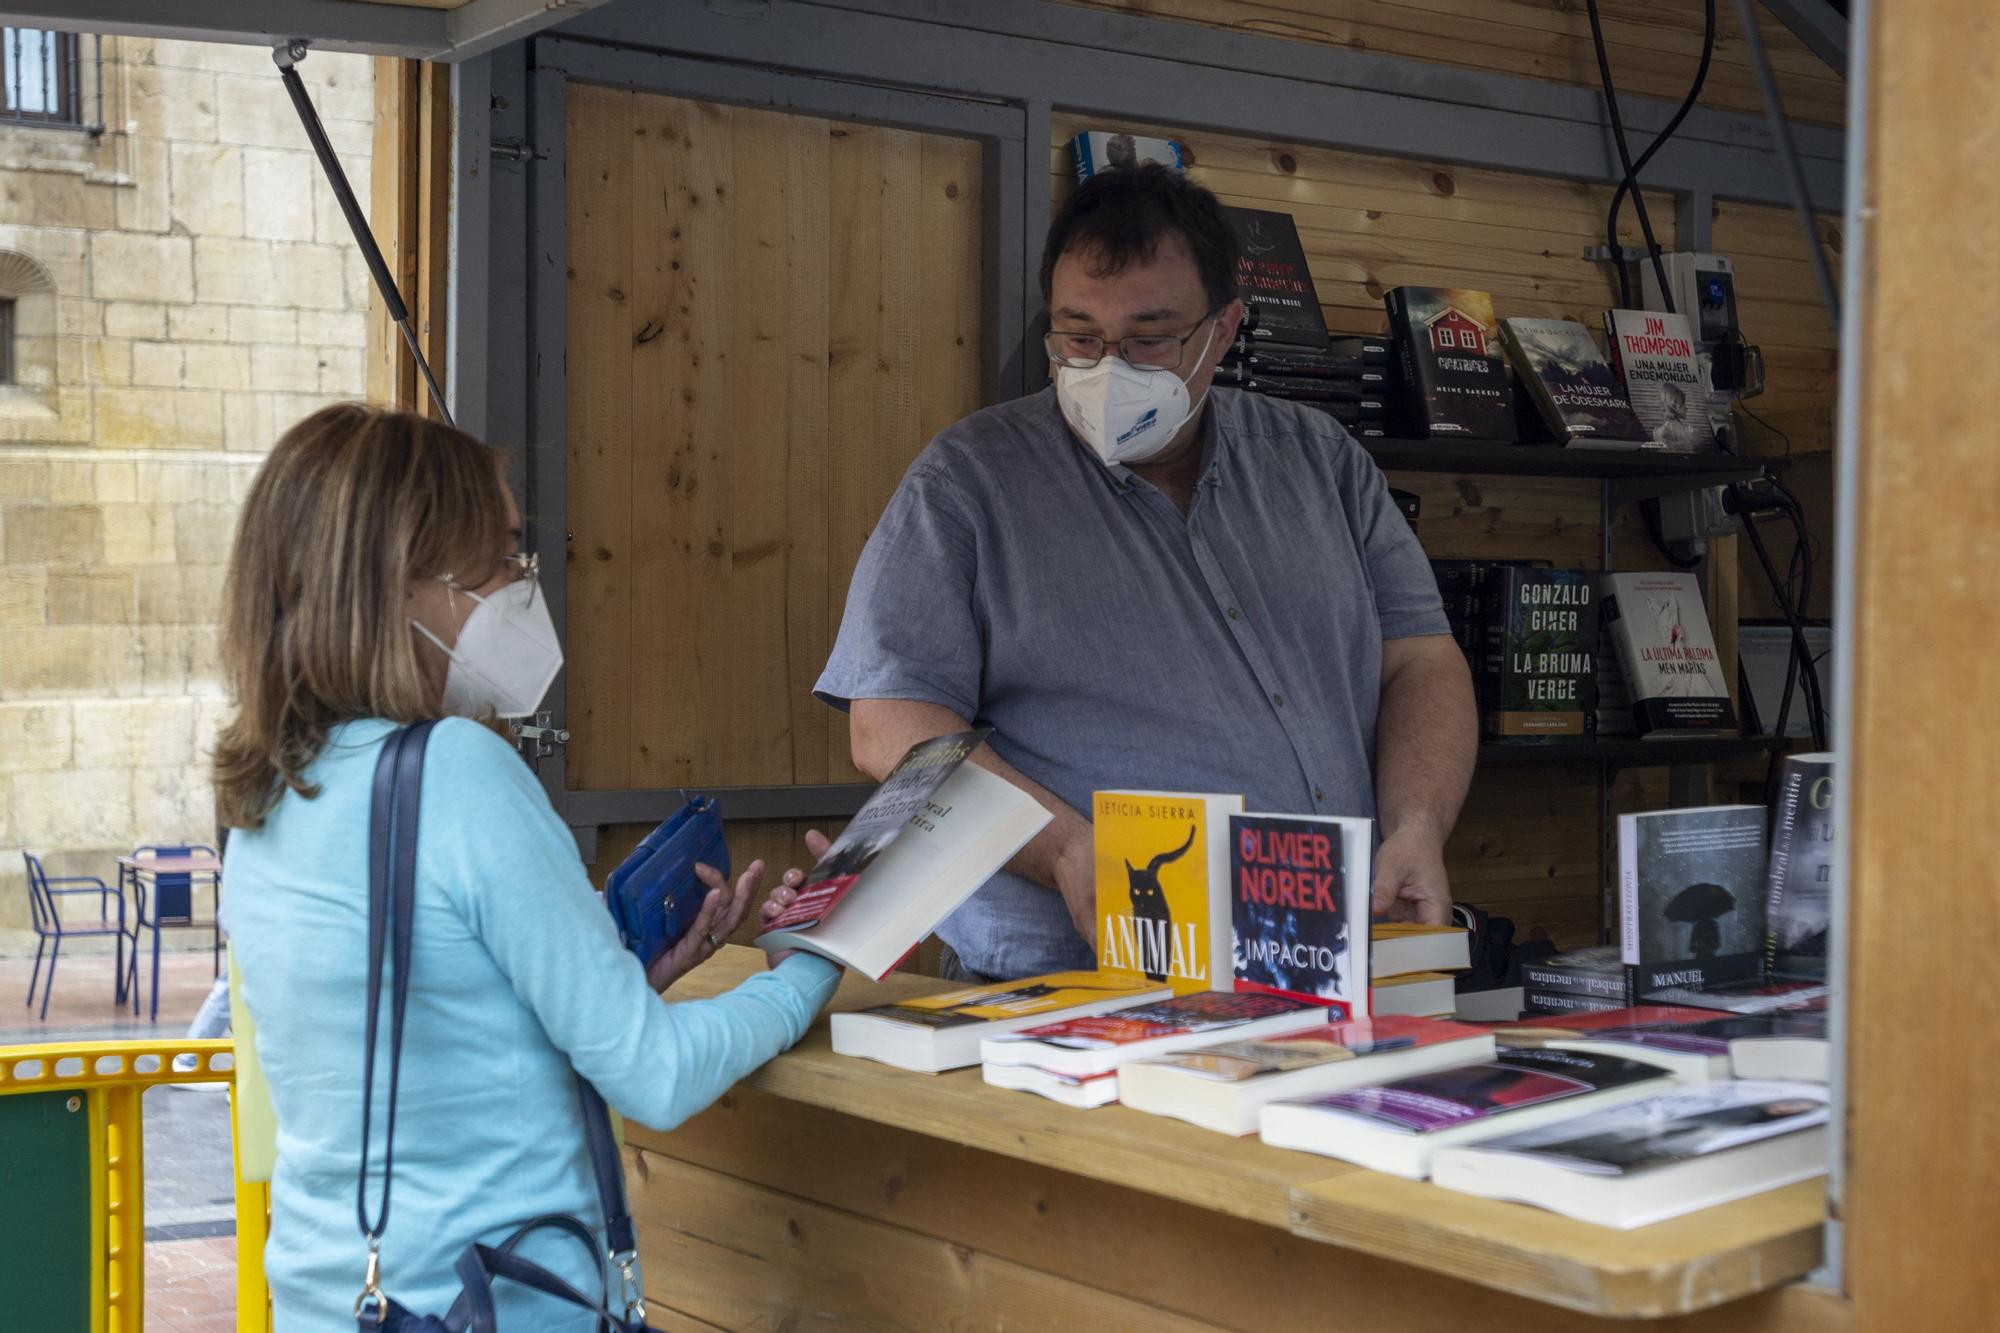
(1202, 1011)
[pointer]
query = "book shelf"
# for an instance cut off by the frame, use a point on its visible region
(1623, 476)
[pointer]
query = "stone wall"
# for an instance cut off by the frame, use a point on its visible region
(206, 295)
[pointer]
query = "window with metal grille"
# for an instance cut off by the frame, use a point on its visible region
(42, 77)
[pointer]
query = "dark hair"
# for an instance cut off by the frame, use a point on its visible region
(1123, 214)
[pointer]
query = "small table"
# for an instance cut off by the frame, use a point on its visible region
(136, 871)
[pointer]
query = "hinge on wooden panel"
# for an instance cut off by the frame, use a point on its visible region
(1627, 254)
(514, 150)
(539, 738)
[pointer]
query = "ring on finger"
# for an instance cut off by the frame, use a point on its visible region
(712, 945)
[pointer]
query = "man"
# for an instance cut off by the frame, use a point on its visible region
(1141, 582)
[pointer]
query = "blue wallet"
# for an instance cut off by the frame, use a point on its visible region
(654, 895)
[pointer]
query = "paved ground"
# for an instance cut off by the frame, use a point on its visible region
(190, 1201)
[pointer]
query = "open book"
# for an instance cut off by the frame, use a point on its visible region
(933, 832)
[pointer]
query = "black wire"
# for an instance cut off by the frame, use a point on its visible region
(1618, 195)
(1625, 157)
(1801, 650)
(1747, 411)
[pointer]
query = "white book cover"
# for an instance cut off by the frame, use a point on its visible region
(1667, 651)
(874, 897)
(1655, 354)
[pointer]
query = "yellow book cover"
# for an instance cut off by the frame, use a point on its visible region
(1163, 906)
(1032, 996)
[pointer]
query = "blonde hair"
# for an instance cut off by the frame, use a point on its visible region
(352, 507)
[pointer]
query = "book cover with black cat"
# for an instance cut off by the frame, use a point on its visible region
(1454, 375)
(1299, 905)
(1163, 886)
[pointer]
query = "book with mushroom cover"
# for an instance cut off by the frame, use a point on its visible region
(1454, 376)
(1667, 650)
(1654, 354)
(1272, 277)
(1299, 907)
(1163, 899)
(1691, 897)
(1541, 654)
(1798, 899)
(1577, 392)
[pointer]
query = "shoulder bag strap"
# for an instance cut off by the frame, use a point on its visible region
(392, 874)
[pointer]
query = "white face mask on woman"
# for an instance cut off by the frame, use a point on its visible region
(1126, 415)
(507, 654)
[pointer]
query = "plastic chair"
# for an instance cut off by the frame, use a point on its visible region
(170, 907)
(45, 915)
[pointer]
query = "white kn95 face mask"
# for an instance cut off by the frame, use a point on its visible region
(506, 657)
(1126, 415)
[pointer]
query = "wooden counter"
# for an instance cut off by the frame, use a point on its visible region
(828, 1191)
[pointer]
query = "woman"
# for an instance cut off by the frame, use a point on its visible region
(374, 583)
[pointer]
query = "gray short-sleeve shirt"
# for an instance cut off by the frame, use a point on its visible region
(1112, 642)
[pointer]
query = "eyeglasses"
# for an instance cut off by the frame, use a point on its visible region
(1141, 351)
(522, 565)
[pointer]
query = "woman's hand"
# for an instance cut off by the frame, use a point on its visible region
(721, 912)
(788, 889)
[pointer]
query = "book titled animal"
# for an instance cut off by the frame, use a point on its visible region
(1454, 375)
(1577, 392)
(932, 833)
(1163, 899)
(1299, 905)
(1644, 1161)
(1691, 897)
(1655, 356)
(1225, 1086)
(1272, 277)
(1398, 1126)
(1667, 650)
(937, 1032)
(1799, 886)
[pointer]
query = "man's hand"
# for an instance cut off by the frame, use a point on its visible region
(721, 912)
(787, 890)
(1410, 883)
(1076, 880)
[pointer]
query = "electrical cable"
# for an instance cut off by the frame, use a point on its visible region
(1788, 157)
(1802, 651)
(1625, 157)
(1777, 431)
(1674, 123)
(287, 57)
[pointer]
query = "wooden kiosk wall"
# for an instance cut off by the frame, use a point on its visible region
(812, 289)
(1920, 1225)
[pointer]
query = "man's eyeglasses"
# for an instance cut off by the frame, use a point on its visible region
(1141, 351)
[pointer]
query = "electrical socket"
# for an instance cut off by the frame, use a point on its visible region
(1689, 520)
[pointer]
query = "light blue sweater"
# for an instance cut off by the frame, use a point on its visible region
(516, 976)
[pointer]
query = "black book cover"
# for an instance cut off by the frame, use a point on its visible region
(1280, 359)
(1569, 381)
(1798, 900)
(1454, 377)
(1597, 972)
(1691, 895)
(1541, 654)
(1272, 277)
(1340, 390)
(1368, 347)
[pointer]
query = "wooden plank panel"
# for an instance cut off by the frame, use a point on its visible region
(808, 616)
(1652, 49)
(949, 293)
(672, 270)
(599, 582)
(751, 734)
(1924, 785)
(1679, 1266)
(392, 215)
(748, 1258)
(1195, 1263)
(433, 237)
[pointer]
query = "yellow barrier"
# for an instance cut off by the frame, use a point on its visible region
(111, 1077)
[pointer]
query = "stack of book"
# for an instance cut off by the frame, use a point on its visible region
(1411, 968)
